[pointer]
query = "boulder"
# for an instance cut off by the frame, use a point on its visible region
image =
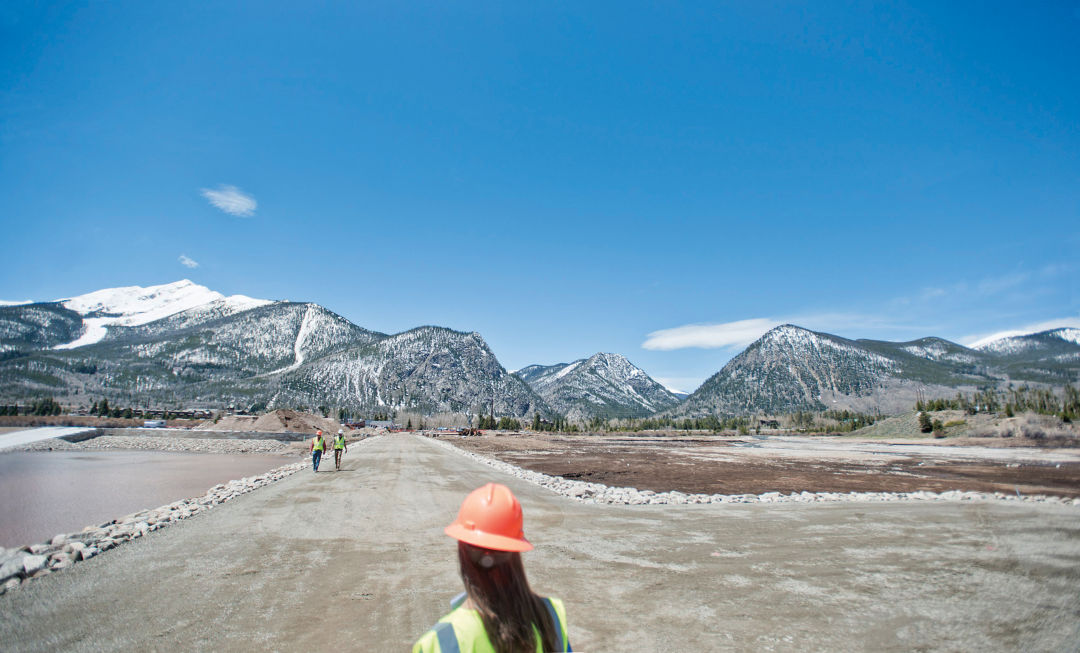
(88, 552)
(12, 568)
(32, 564)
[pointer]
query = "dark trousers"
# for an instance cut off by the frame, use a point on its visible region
(316, 456)
(337, 458)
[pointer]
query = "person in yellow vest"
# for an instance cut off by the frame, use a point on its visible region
(339, 448)
(498, 612)
(318, 446)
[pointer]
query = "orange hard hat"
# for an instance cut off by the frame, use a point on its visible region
(490, 518)
(318, 432)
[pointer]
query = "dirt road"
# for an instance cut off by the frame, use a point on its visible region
(356, 560)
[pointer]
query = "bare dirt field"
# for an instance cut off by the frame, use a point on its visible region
(726, 465)
(357, 560)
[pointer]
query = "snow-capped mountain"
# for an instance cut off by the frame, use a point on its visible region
(1019, 343)
(427, 369)
(208, 350)
(791, 369)
(183, 345)
(135, 305)
(603, 385)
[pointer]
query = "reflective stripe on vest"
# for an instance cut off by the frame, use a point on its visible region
(448, 640)
(317, 444)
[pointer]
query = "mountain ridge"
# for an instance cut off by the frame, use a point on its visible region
(604, 385)
(793, 369)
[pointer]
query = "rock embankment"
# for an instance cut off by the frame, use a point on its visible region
(20, 566)
(161, 443)
(599, 493)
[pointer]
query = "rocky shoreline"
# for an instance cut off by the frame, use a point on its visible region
(22, 565)
(599, 493)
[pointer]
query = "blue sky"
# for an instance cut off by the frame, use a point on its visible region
(565, 179)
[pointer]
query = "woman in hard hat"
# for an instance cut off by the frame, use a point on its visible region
(499, 613)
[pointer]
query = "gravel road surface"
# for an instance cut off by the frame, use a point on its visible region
(356, 560)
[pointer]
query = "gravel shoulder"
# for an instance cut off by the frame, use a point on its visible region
(357, 559)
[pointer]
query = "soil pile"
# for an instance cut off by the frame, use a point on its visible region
(278, 421)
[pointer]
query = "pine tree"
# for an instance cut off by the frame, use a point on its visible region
(925, 423)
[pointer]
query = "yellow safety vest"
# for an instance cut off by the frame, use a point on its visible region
(318, 444)
(462, 631)
(339, 441)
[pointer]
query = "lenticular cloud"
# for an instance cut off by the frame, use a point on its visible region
(231, 200)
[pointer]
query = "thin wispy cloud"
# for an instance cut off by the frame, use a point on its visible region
(710, 336)
(987, 286)
(188, 262)
(996, 285)
(231, 200)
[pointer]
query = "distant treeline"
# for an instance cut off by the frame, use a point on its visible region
(37, 408)
(1042, 401)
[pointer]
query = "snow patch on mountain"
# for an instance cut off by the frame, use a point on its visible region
(568, 369)
(307, 325)
(604, 384)
(1068, 334)
(135, 305)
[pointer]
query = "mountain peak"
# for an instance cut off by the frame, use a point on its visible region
(604, 384)
(137, 305)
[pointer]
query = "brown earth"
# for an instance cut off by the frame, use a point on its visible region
(716, 465)
(278, 421)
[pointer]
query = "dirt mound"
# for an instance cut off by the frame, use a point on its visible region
(278, 421)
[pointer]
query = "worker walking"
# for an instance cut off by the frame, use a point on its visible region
(318, 445)
(499, 613)
(339, 448)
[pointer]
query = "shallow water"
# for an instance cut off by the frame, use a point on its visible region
(50, 492)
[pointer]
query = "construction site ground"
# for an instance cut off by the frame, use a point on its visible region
(741, 465)
(357, 560)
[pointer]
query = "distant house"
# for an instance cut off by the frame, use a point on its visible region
(381, 423)
(768, 423)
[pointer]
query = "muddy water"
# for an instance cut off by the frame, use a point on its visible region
(45, 493)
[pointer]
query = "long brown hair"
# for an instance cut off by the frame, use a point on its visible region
(496, 584)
